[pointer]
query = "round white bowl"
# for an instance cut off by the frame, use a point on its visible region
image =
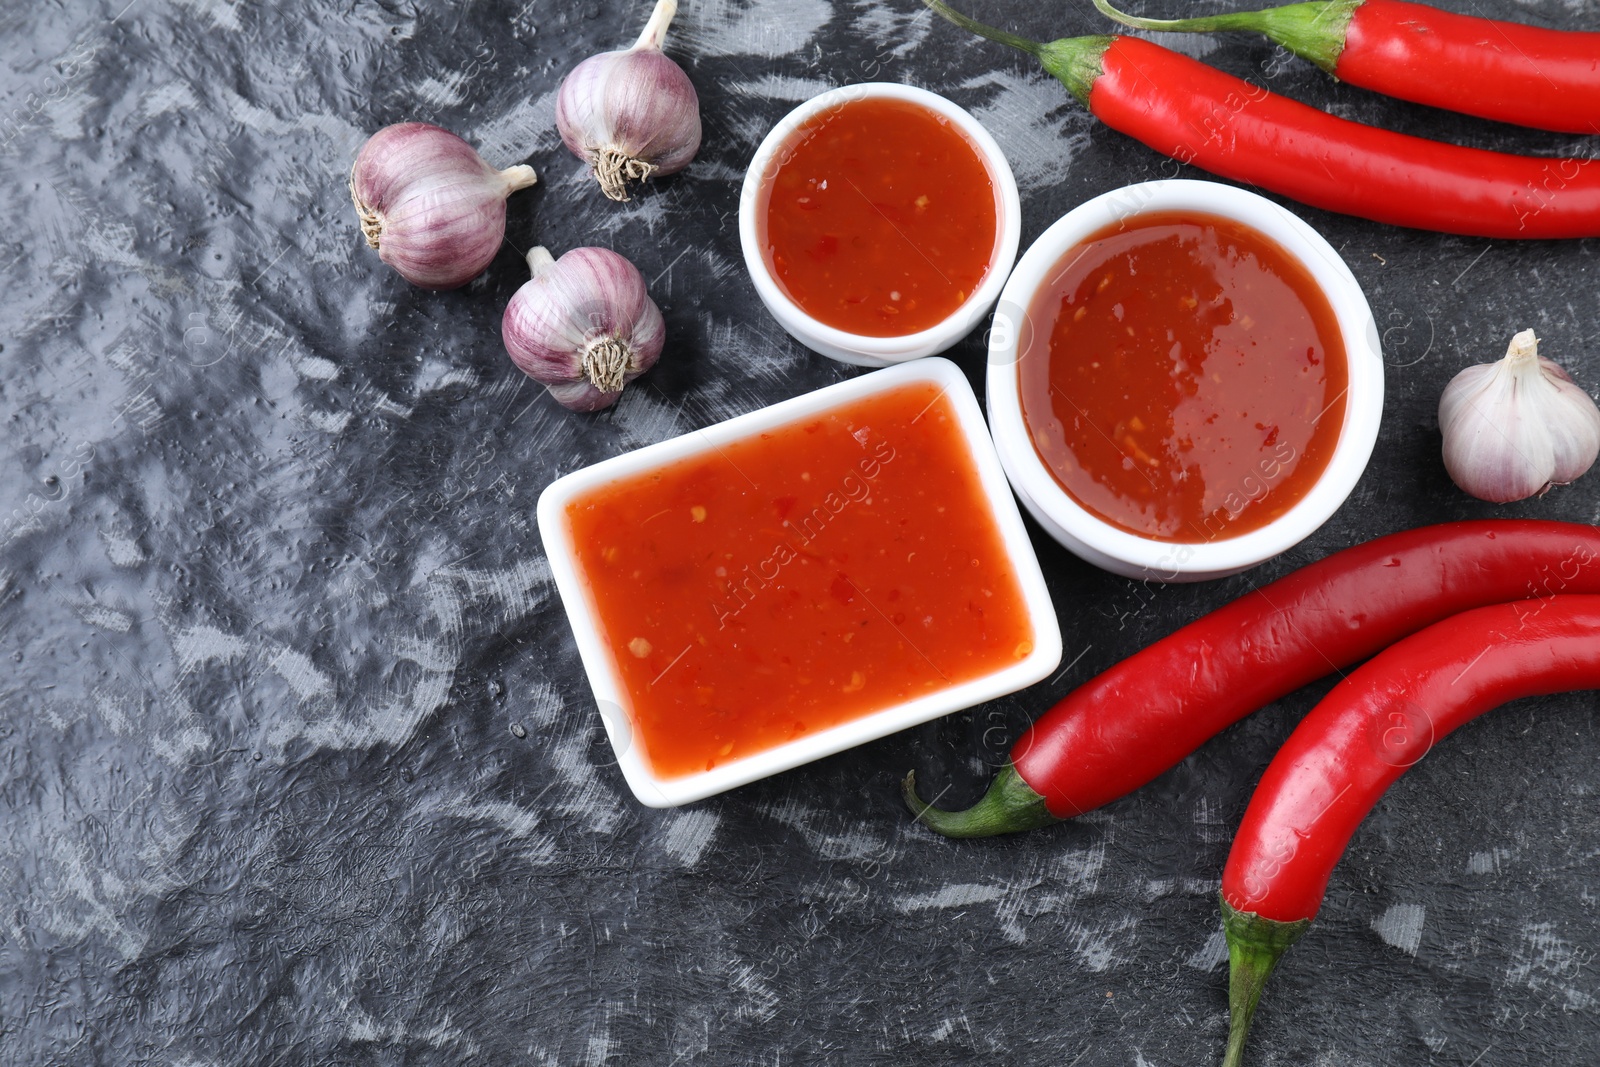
(1096, 540)
(856, 348)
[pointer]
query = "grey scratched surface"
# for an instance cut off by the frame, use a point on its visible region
(297, 764)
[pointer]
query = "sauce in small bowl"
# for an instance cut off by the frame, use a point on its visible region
(878, 223)
(798, 580)
(1191, 383)
(1184, 380)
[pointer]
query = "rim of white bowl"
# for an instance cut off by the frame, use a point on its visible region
(599, 665)
(1008, 222)
(1363, 356)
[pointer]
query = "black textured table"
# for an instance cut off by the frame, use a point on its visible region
(297, 761)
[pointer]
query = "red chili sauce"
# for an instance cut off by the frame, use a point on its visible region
(1185, 377)
(799, 579)
(881, 218)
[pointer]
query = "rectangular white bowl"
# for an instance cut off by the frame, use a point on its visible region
(597, 661)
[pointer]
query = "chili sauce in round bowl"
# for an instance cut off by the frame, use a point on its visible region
(1195, 384)
(1187, 380)
(878, 223)
(798, 580)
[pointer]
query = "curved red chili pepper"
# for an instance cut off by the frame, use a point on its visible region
(1196, 114)
(1353, 745)
(1525, 75)
(1141, 717)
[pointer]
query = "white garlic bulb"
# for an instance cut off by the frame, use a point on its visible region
(430, 205)
(1514, 428)
(583, 327)
(632, 113)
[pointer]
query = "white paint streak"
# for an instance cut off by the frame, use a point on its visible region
(857, 843)
(770, 29)
(389, 407)
(761, 1003)
(586, 798)
(540, 703)
(107, 618)
(690, 835)
(302, 676)
(1195, 45)
(1211, 955)
(894, 34)
(1401, 926)
(66, 113)
(173, 96)
(528, 128)
(517, 821)
(1039, 126)
(780, 87)
(362, 1028)
(645, 418)
(323, 370)
(1488, 862)
(204, 644)
(1096, 946)
(429, 655)
(438, 93)
(224, 14)
(959, 895)
(112, 242)
(435, 376)
(1545, 959)
(342, 133)
(328, 421)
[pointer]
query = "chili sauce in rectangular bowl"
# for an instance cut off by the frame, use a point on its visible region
(797, 581)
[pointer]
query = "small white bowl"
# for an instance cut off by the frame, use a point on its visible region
(1097, 541)
(608, 688)
(855, 348)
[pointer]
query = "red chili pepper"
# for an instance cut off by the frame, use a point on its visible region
(1526, 75)
(1196, 114)
(1362, 736)
(1123, 728)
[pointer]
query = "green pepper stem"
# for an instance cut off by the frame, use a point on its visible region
(966, 22)
(1074, 61)
(1255, 945)
(1009, 806)
(1313, 31)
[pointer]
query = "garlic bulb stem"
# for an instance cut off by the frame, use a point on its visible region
(518, 177)
(1523, 349)
(631, 114)
(540, 259)
(655, 31)
(583, 326)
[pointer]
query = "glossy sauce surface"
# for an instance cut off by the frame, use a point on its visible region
(1185, 377)
(881, 218)
(798, 579)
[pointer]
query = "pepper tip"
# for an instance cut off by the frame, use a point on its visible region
(1255, 945)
